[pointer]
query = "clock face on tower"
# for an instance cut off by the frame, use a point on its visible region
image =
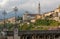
(16, 31)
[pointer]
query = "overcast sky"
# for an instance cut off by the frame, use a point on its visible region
(30, 5)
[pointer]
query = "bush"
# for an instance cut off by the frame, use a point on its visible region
(46, 22)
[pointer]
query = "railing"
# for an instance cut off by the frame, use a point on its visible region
(11, 33)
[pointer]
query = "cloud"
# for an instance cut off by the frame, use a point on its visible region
(3, 2)
(46, 5)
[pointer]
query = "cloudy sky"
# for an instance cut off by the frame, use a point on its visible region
(29, 5)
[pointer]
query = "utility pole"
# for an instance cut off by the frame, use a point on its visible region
(15, 27)
(15, 10)
(4, 14)
(3, 32)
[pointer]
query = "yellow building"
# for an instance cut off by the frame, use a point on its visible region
(55, 12)
(11, 20)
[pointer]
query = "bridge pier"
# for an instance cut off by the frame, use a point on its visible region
(49, 37)
(26, 37)
(54, 36)
(23, 37)
(32, 37)
(38, 37)
(44, 37)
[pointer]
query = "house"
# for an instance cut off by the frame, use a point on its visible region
(30, 17)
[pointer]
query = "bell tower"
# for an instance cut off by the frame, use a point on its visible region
(39, 7)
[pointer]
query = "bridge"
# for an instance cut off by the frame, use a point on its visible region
(36, 34)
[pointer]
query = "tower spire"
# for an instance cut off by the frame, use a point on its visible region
(39, 7)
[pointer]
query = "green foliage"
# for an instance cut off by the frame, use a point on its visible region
(33, 26)
(9, 26)
(19, 18)
(46, 22)
(23, 27)
(29, 27)
(1, 26)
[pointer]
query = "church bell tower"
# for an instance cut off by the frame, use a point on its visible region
(39, 7)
